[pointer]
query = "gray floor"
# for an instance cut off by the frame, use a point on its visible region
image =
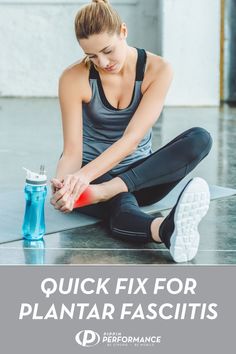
(30, 134)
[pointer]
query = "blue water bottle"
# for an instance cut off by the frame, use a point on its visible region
(33, 227)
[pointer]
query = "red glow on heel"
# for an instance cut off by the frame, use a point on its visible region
(84, 199)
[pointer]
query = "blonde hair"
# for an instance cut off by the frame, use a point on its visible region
(94, 18)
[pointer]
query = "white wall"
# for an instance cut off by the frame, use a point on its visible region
(38, 42)
(191, 42)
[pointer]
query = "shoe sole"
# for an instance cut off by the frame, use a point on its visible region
(191, 208)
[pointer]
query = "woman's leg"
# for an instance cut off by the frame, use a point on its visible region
(192, 146)
(161, 171)
(168, 165)
(158, 174)
(179, 226)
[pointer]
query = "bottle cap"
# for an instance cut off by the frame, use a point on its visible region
(36, 178)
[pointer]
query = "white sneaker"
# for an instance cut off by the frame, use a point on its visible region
(179, 230)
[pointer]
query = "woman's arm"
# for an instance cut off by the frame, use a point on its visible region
(72, 91)
(70, 99)
(144, 118)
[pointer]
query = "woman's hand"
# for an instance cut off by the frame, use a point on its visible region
(56, 184)
(73, 186)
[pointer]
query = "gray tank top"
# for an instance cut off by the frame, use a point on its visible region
(104, 124)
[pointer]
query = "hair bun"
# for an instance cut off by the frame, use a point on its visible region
(102, 1)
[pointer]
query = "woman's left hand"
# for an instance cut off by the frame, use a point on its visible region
(74, 185)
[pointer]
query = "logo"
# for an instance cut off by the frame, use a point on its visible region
(87, 338)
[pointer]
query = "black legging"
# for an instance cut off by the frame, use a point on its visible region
(148, 181)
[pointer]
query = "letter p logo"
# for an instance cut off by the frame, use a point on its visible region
(87, 338)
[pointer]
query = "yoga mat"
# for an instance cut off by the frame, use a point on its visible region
(13, 205)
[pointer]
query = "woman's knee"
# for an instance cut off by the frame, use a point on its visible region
(201, 142)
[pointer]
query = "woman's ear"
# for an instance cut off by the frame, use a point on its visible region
(123, 31)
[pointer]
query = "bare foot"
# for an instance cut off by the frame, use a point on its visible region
(96, 193)
(92, 195)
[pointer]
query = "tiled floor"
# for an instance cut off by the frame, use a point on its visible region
(30, 133)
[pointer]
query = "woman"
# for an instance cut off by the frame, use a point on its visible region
(109, 102)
